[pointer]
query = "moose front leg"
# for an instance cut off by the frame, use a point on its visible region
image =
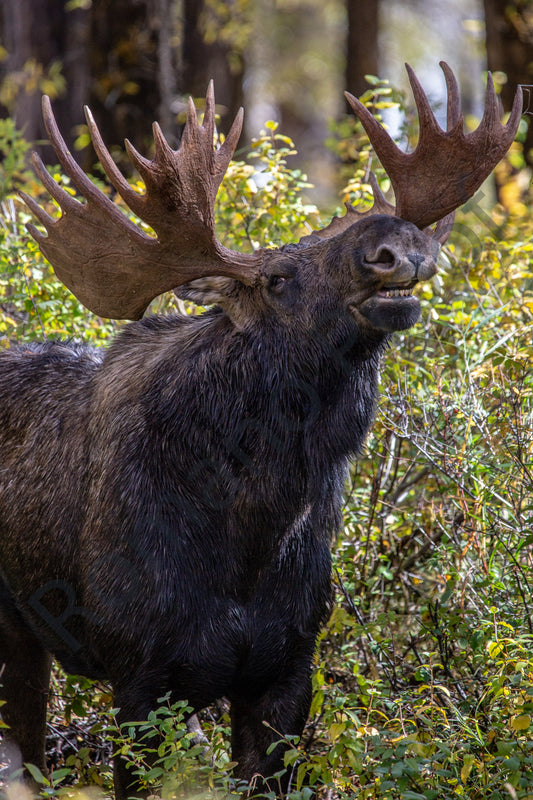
(24, 683)
(257, 723)
(134, 704)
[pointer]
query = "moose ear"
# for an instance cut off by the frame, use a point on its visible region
(207, 291)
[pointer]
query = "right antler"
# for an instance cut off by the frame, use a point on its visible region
(446, 168)
(107, 261)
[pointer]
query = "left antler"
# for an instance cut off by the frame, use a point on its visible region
(446, 168)
(107, 261)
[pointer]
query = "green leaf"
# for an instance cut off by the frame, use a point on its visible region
(37, 775)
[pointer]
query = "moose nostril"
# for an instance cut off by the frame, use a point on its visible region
(386, 257)
(382, 256)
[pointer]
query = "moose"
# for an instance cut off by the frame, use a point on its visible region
(167, 506)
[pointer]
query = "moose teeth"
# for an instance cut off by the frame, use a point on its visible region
(398, 292)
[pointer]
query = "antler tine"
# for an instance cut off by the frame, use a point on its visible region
(163, 151)
(142, 165)
(111, 264)
(491, 136)
(491, 112)
(382, 143)
(427, 123)
(226, 150)
(192, 127)
(110, 168)
(443, 228)
(44, 218)
(65, 201)
(381, 204)
(514, 117)
(209, 111)
(453, 113)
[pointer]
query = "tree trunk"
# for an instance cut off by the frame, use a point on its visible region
(211, 51)
(40, 35)
(510, 49)
(361, 44)
(123, 57)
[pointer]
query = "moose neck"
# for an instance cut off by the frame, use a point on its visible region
(294, 388)
(247, 430)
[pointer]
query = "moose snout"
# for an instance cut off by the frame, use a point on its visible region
(389, 262)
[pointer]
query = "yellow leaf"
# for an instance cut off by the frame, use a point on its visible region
(494, 648)
(335, 730)
(468, 763)
(521, 722)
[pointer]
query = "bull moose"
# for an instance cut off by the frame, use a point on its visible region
(167, 506)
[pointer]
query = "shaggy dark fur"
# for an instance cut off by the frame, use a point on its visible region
(167, 508)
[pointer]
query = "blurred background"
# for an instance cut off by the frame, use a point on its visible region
(134, 61)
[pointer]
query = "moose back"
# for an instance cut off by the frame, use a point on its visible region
(167, 506)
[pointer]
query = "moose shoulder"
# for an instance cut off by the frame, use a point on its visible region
(167, 507)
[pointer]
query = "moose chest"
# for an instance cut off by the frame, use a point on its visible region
(208, 619)
(221, 557)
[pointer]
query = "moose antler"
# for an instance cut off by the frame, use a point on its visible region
(446, 168)
(107, 261)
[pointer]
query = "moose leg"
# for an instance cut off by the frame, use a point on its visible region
(24, 684)
(284, 708)
(134, 705)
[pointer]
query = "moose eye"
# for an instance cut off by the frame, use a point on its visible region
(277, 283)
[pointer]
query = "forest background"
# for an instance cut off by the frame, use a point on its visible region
(423, 685)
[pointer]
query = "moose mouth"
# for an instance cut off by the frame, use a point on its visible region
(396, 291)
(391, 308)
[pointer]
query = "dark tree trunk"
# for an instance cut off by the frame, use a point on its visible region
(207, 56)
(39, 34)
(117, 56)
(120, 57)
(510, 49)
(361, 44)
(123, 57)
